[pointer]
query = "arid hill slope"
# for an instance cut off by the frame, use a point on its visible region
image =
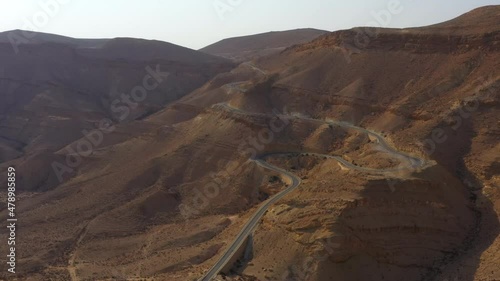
(23, 37)
(50, 92)
(435, 92)
(249, 47)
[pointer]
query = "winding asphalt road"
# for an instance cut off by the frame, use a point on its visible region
(252, 222)
(294, 181)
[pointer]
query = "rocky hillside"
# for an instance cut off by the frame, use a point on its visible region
(52, 93)
(249, 47)
(434, 92)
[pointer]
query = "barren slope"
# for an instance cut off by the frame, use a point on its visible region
(165, 194)
(249, 47)
(52, 93)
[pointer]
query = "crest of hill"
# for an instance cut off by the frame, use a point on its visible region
(30, 37)
(480, 20)
(252, 46)
(69, 83)
(146, 50)
(479, 28)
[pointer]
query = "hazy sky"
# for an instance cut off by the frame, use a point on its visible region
(197, 23)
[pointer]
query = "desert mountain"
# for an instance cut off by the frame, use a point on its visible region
(249, 47)
(31, 37)
(485, 19)
(434, 91)
(165, 193)
(53, 89)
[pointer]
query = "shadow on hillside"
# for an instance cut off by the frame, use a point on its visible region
(464, 264)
